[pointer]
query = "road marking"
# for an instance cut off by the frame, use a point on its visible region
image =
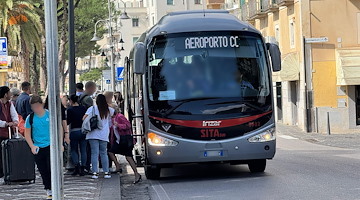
(157, 184)
(288, 137)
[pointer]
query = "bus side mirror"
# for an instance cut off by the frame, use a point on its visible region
(139, 58)
(275, 55)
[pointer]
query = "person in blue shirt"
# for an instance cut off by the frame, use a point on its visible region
(23, 101)
(37, 136)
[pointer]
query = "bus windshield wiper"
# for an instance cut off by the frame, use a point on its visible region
(250, 105)
(182, 102)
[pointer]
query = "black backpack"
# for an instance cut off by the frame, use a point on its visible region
(31, 121)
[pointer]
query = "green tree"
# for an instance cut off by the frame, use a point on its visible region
(94, 74)
(86, 15)
(21, 24)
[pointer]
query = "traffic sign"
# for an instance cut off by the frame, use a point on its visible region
(316, 40)
(3, 52)
(106, 74)
(108, 82)
(120, 73)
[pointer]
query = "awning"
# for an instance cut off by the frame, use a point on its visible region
(348, 66)
(4, 70)
(290, 66)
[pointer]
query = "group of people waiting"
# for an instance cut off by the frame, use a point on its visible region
(87, 147)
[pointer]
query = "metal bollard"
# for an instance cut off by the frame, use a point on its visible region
(328, 123)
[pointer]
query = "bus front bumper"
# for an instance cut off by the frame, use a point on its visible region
(214, 151)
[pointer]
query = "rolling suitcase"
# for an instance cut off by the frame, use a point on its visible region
(18, 161)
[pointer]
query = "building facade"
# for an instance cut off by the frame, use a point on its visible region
(159, 8)
(12, 75)
(318, 87)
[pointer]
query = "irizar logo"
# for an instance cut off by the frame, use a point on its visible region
(166, 127)
(211, 123)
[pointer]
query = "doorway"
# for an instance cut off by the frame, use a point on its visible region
(279, 101)
(357, 104)
(294, 100)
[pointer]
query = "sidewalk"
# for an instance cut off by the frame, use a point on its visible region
(129, 191)
(345, 140)
(75, 188)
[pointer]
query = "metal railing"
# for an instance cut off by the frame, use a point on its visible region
(255, 8)
(267, 4)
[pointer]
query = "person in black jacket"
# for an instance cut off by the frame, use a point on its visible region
(75, 113)
(23, 101)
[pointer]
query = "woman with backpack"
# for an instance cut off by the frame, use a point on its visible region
(37, 135)
(101, 115)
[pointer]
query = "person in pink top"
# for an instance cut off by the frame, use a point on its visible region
(123, 143)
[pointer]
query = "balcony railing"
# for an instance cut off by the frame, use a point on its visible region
(284, 2)
(255, 9)
(269, 5)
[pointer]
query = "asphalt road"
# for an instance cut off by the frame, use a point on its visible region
(300, 170)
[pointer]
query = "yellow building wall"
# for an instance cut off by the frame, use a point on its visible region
(342, 29)
(282, 17)
(336, 19)
(324, 84)
(3, 76)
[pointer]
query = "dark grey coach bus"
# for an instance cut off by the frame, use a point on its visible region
(198, 90)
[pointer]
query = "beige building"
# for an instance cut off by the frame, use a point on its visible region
(159, 8)
(319, 40)
(12, 75)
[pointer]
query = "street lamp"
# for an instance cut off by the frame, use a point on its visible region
(121, 39)
(96, 38)
(124, 14)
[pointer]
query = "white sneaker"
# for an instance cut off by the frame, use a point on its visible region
(95, 175)
(48, 194)
(107, 175)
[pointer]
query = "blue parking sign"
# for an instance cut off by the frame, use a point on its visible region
(3, 46)
(3, 52)
(120, 73)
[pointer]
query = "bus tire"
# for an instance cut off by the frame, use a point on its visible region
(152, 172)
(256, 166)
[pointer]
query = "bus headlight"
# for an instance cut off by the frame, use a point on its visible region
(266, 136)
(157, 140)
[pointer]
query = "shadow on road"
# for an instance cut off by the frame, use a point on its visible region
(204, 172)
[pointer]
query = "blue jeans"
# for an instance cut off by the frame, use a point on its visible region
(98, 147)
(78, 142)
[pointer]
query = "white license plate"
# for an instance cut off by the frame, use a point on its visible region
(213, 153)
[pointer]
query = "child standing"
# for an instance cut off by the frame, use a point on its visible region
(37, 135)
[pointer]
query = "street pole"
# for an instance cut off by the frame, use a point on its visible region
(112, 67)
(51, 28)
(72, 68)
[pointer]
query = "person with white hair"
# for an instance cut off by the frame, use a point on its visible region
(15, 94)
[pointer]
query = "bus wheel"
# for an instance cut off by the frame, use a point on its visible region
(257, 165)
(152, 172)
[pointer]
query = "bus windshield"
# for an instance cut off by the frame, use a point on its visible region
(207, 65)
